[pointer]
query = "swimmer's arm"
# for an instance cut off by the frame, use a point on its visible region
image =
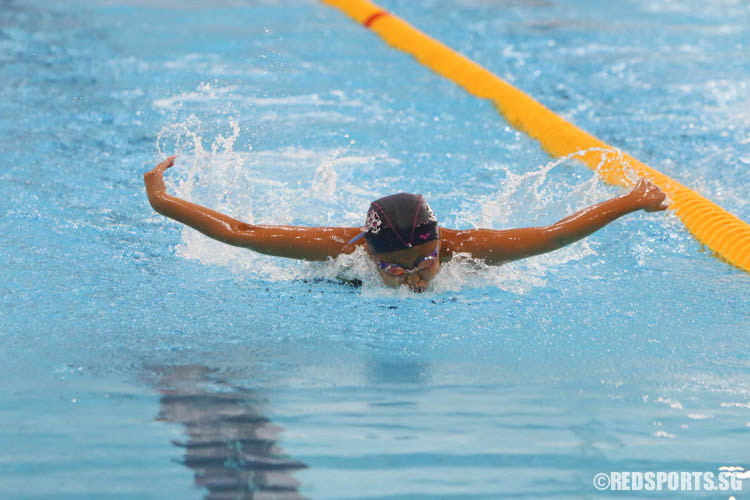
(308, 243)
(497, 247)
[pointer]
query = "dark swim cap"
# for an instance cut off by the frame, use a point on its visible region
(399, 221)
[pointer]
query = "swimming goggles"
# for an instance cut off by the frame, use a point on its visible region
(424, 264)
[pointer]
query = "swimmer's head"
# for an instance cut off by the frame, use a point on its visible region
(403, 238)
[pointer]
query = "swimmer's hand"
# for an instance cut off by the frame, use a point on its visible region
(155, 174)
(161, 167)
(648, 196)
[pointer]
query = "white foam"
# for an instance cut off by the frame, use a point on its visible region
(700, 416)
(735, 405)
(663, 434)
(205, 92)
(670, 402)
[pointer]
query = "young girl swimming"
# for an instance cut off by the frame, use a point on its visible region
(401, 234)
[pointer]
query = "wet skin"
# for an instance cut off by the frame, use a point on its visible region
(408, 258)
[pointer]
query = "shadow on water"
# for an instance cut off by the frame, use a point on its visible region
(230, 446)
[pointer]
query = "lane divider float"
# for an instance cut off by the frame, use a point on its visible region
(727, 235)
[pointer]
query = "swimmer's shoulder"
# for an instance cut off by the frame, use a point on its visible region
(449, 243)
(475, 242)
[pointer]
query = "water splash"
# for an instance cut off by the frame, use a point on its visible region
(532, 197)
(324, 183)
(306, 188)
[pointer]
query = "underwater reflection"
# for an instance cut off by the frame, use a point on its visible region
(230, 446)
(400, 372)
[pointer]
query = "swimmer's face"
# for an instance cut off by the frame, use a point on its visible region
(410, 258)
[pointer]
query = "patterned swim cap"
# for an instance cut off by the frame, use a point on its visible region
(399, 221)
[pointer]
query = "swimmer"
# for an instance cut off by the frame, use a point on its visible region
(401, 234)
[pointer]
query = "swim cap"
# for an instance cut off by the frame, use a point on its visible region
(399, 221)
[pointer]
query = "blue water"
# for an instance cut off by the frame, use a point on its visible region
(141, 360)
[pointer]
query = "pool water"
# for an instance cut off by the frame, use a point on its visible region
(142, 360)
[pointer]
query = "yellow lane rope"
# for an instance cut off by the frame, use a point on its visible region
(725, 234)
